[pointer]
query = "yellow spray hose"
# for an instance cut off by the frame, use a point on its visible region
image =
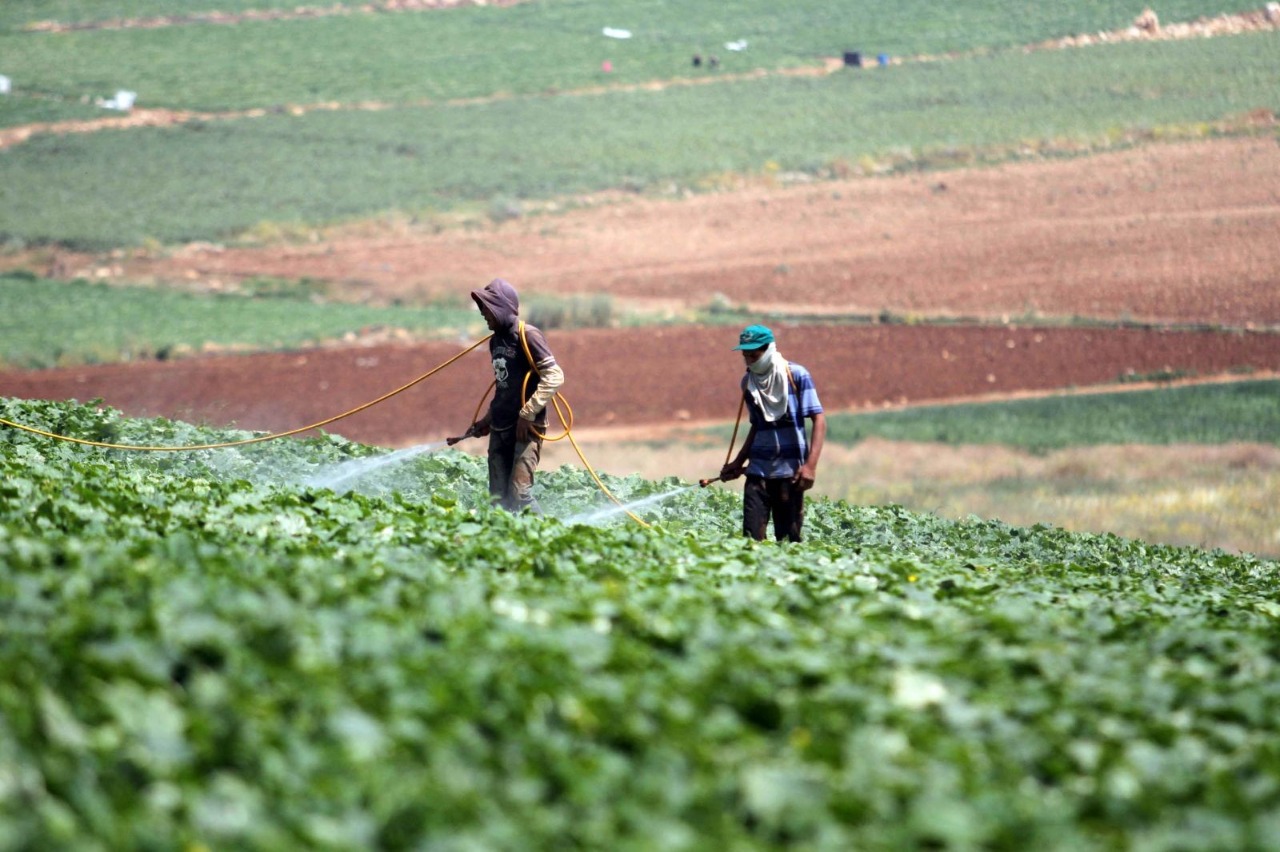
(567, 422)
(258, 440)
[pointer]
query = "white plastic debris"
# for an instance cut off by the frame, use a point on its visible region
(616, 33)
(123, 101)
(6, 85)
(740, 44)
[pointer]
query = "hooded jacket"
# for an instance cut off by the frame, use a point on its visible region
(510, 365)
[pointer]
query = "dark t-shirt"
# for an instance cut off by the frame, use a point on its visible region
(510, 366)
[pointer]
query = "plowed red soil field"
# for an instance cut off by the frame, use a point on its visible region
(1172, 235)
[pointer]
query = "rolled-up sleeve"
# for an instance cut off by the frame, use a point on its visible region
(550, 378)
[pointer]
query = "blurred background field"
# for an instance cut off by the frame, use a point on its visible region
(1193, 464)
(218, 180)
(473, 51)
(481, 109)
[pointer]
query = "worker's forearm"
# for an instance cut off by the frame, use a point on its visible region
(549, 380)
(817, 441)
(744, 454)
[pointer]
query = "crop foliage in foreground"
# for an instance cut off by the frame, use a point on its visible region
(200, 648)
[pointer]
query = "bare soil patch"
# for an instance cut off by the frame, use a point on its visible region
(632, 377)
(1176, 233)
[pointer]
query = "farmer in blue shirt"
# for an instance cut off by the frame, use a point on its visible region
(778, 459)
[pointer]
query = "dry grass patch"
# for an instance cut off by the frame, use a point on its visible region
(1206, 496)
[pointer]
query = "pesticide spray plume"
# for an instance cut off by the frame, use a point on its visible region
(342, 478)
(611, 512)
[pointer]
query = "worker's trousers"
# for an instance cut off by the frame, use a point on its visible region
(511, 467)
(780, 498)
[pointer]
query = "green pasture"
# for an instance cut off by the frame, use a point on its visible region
(49, 323)
(46, 323)
(995, 22)
(216, 179)
(1194, 414)
(218, 650)
(20, 111)
(19, 14)
(529, 48)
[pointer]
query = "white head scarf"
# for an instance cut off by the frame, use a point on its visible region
(767, 383)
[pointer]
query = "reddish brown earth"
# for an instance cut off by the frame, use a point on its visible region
(1168, 234)
(1184, 233)
(659, 377)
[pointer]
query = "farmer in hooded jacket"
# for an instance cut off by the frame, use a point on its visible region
(517, 418)
(780, 461)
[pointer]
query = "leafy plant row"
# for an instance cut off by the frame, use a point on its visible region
(203, 649)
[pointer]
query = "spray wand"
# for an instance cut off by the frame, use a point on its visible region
(732, 440)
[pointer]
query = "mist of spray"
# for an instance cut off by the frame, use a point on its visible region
(611, 512)
(343, 477)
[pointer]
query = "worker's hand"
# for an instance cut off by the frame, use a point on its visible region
(456, 438)
(732, 471)
(525, 431)
(479, 429)
(804, 477)
(473, 431)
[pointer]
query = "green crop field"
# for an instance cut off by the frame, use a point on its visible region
(48, 324)
(528, 48)
(203, 650)
(217, 179)
(322, 645)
